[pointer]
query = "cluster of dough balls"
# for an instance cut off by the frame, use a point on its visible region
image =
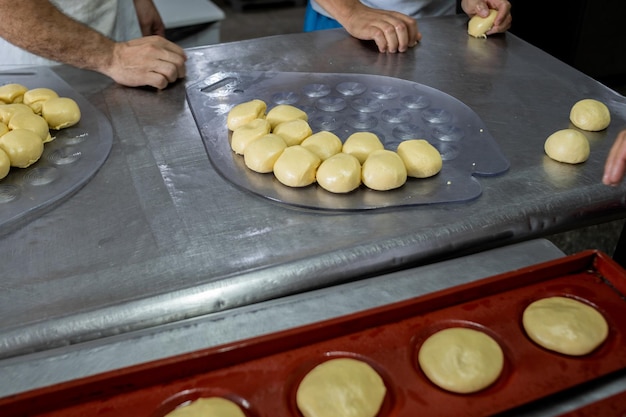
(26, 118)
(571, 145)
(280, 141)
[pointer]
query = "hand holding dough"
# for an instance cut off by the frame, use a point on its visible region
(479, 26)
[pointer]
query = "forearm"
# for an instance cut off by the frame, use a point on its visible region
(340, 10)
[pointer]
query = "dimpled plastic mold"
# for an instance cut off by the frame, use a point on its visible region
(396, 110)
(67, 163)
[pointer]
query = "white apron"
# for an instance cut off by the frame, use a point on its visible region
(414, 8)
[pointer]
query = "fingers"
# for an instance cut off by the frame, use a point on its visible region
(392, 32)
(615, 165)
(503, 18)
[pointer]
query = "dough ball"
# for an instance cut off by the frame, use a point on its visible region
(341, 387)
(323, 144)
(5, 164)
(12, 93)
(565, 325)
(7, 111)
(461, 360)
(246, 134)
(296, 166)
(422, 160)
(479, 26)
(32, 122)
(284, 113)
(293, 131)
(361, 144)
(23, 147)
(341, 173)
(35, 98)
(567, 145)
(3, 128)
(261, 155)
(207, 407)
(60, 112)
(383, 170)
(244, 113)
(591, 115)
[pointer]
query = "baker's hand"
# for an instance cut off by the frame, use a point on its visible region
(391, 31)
(481, 8)
(148, 61)
(615, 165)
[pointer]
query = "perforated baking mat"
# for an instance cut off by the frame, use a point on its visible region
(393, 109)
(67, 163)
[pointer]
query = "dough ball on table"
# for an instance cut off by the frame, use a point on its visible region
(35, 98)
(261, 155)
(5, 164)
(567, 145)
(461, 360)
(422, 160)
(23, 147)
(7, 111)
(207, 407)
(565, 325)
(590, 114)
(341, 387)
(246, 134)
(341, 173)
(361, 144)
(293, 131)
(12, 93)
(323, 144)
(479, 26)
(284, 113)
(296, 166)
(383, 170)
(60, 112)
(244, 113)
(32, 122)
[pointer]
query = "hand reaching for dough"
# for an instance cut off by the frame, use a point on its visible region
(481, 8)
(615, 165)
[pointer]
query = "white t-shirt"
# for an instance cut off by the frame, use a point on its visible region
(116, 19)
(413, 8)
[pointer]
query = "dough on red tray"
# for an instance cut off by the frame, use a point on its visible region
(208, 407)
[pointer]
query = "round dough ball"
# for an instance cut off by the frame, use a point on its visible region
(479, 26)
(383, 170)
(323, 144)
(12, 93)
(284, 113)
(565, 325)
(296, 166)
(23, 147)
(293, 132)
(60, 112)
(35, 98)
(341, 387)
(3, 128)
(341, 173)
(5, 164)
(7, 111)
(248, 133)
(590, 114)
(32, 122)
(461, 360)
(567, 145)
(361, 144)
(422, 160)
(244, 113)
(261, 155)
(206, 407)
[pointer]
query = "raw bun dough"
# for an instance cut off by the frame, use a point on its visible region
(361, 144)
(567, 145)
(35, 98)
(7, 111)
(261, 155)
(479, 26)
(383, 170)
(323, 144)
(341, 387)
(32, 122)
(422, 160)
(341, 173)
(565, 325)
(5, 164)
(23, 147)
(461, 360)
(293, 131)
(591, 115)
(285, 113)
(207, 407)
(244, 113)
(296, 166)
(12, 93)
(60, 112)
(245, 134)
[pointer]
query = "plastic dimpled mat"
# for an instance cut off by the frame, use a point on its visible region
(394, 109)
(67, 163)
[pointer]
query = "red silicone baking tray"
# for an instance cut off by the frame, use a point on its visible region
(613, 406)
(262, 374)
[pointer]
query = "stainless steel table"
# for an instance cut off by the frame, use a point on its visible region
(158, 236)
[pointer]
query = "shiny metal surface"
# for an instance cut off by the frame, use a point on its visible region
(159, 236)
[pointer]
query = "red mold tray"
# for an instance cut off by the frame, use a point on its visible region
(262, 374)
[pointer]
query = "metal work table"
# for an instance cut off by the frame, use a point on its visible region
(158, 236)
